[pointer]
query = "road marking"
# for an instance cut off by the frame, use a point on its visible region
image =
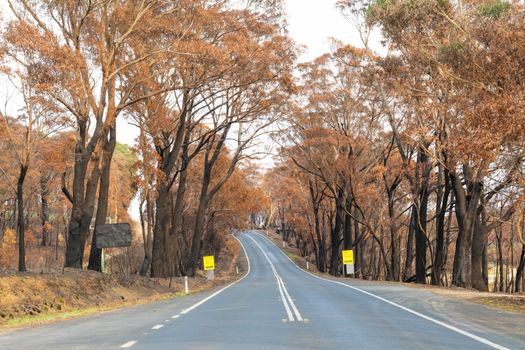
(159, 326)
(196, 305)
(285, 296)
(283, 299)
(175, 316)
(428, 318)
(129, 344)
(291, 301)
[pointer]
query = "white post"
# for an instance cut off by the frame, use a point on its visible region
(237, 269)
(103, 261)
(283, 244)
(186, 284)
(307, 265)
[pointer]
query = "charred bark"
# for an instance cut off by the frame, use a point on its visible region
(95, 256)
(20, 218)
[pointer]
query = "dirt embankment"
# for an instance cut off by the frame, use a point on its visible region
(508, 302)
(42, 297)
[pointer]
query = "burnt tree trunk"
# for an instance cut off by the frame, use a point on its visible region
(441, 210)
(199, 225)
(20, 218)
(359, 245)
(95, 256)
(84, 195)
(410, 245)
(174, 256)
(321, 259)
(44, 211)
(159, 256)
(394, 241)
(421, 218)
(336, 235)
(466, 212)
(519, 271)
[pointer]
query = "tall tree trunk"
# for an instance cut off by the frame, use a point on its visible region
(20, 218)
(321, 260)
(410, 245)
(519, 271)
(336, 234)
(466, 213)
(441, 210)
(394, 251)
(478, 246)
(83, 203)
(148, 241)
(44, 212)
(500, 258)
(159, 255)
(204, 199)
(421, 222)
(95, 256)
(348, 234)
(175, 233)
(359, 245)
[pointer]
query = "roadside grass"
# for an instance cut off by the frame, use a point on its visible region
(513, 304)
(54, 316)
(37, 299)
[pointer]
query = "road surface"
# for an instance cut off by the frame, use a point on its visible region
(278, 306)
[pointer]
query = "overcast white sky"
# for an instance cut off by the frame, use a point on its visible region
(313, 22)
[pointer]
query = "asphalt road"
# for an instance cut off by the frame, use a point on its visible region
(279, 306)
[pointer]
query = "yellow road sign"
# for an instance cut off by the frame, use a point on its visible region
(348, 257)
(208, 262)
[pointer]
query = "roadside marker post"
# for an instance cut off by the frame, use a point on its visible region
(307, 265)
(208, 263)
(103, 260)
(186, 284)
(348, 262)
(237, 269)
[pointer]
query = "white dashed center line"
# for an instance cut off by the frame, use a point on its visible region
(159, 326)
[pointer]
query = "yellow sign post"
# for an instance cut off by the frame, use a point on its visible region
(348, 257)
(208, 262)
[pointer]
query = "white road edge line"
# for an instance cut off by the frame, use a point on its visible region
(158, 326)
(196, 305)
(129, 344)
(282, 287)
(428, 318)
(175, 316)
